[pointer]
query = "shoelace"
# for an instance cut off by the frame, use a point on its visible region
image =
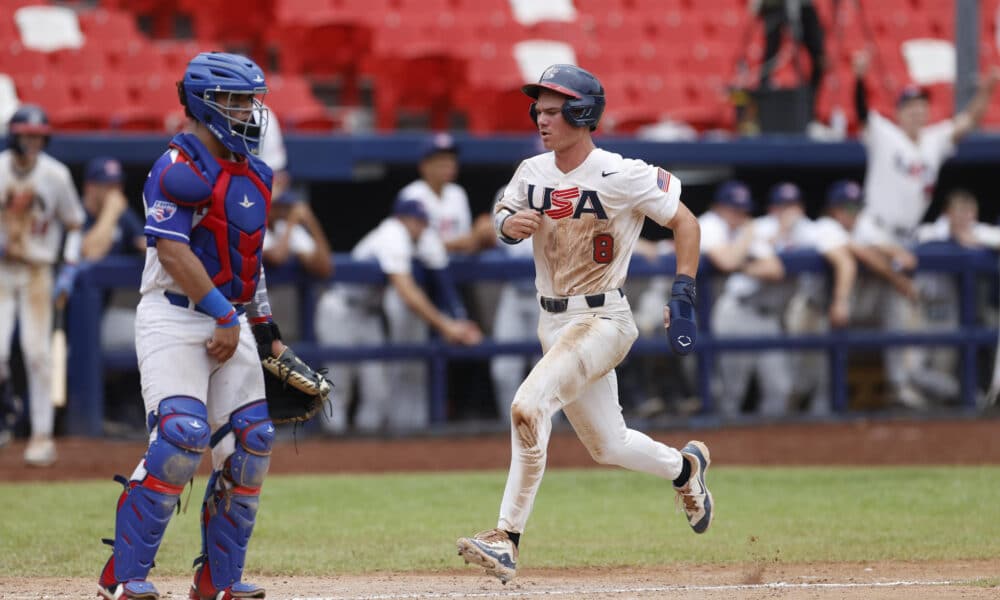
(684, 495)
(492, 535)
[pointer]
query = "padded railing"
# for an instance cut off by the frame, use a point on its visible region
(88, 363)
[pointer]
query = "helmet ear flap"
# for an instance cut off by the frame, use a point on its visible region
(533, 111)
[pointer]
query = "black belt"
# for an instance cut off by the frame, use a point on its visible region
(185, 302)
(558, 305)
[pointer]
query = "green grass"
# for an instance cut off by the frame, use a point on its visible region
(351, 524)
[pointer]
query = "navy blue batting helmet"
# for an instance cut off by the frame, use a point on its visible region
(27, 119)
(585, 94)
(211, 74)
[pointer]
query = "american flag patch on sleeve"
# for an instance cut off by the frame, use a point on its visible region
(662, 179)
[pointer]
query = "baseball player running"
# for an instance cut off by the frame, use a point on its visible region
(38, 202)
(584, 208)
(207, 199)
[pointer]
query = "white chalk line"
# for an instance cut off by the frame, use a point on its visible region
(779, 585)
(508, 593)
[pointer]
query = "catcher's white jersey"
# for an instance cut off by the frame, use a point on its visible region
(449, 213)
(592, 217)
(901, 174)
(34, 208)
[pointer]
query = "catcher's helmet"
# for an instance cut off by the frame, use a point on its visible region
(585, 95)
(212, 73)
(27, 119)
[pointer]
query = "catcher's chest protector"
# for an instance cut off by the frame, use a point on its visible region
(229, 238)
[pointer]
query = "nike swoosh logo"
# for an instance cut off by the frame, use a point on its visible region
(603, 174)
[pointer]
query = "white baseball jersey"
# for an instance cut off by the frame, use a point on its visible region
(36, 233)
(299, 240)
(901, 174)
(272, 147)
(714, 231)
(985, 235)
(592, 217)
(449, 213)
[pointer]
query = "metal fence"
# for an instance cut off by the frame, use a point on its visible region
(88, 363)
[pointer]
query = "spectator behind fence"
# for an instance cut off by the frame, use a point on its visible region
(802, 22)
(111, 228)
(294, 231)
(752, 303)
(446, 202)
(904, 159)
(959, 224)
(392, 395)
(816, 307)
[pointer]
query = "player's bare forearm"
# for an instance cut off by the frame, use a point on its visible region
(417, 300)
(687, 240)
(320, 261)
(97, 240)
(845, 272)
(769, 268)
(968, 119)
(184, 267)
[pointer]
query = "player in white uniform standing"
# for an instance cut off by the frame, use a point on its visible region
(904, 159)
(352, 315)
(816, 307)
(584, 208)
(38, 203)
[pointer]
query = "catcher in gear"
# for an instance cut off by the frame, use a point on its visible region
(295, 392)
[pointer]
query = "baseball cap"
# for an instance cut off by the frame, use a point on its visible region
(844, 193)
(912, 91)
(736, 194)
(409, 207)
(784, 193)
(439, 143)
(104, 169)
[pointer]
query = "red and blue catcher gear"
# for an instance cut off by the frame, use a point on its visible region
(584, 103)
(146, 505)
(211, 75)
(231, 500)
(27, 119)
(218, 207)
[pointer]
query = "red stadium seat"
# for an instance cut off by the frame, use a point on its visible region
(15, 60)
(292, 100)
(62, 102)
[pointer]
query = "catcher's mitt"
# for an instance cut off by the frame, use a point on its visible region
(295, 392)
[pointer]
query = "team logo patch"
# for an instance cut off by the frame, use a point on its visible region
(162, 210)
(662, 179)
(562, 201)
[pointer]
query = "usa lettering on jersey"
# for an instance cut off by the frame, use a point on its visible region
(559, 204)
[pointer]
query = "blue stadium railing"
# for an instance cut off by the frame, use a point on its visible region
(88, 363)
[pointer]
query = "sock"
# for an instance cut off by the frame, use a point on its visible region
(685, 473)
(514, 537)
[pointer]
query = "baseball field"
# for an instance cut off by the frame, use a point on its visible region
(852, 510)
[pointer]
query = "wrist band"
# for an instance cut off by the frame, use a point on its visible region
(216, 305)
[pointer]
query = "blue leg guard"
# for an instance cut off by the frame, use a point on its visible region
(230, 507)
(146, 505)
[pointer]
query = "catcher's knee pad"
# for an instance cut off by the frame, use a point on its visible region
(231, 500)
(145, 507)
(182, 436)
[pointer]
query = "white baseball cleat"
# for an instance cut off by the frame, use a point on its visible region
(694, 494)
(40, 451)
(492, 550)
